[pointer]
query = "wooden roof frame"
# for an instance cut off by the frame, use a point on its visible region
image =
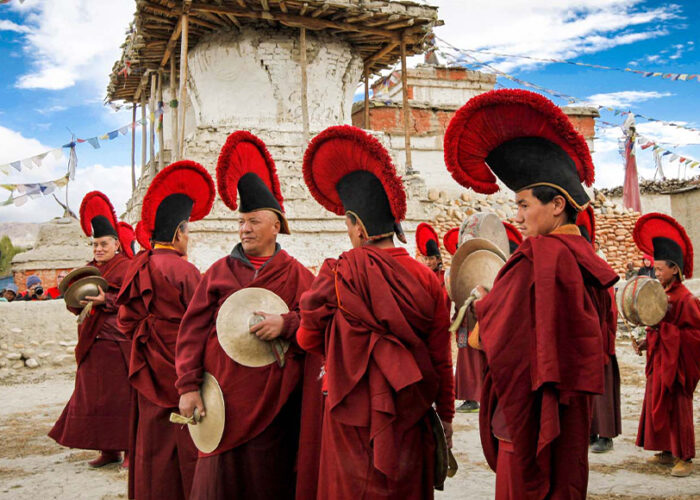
(377, 29)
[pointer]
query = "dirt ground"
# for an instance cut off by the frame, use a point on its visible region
(33, 466)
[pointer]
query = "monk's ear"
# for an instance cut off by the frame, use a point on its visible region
(559, 203)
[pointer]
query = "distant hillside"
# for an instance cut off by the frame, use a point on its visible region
(22, 234)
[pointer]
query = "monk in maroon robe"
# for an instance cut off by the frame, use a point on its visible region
(673, 348)
(379, 318)
(97, 414)
(256, 456)
(157, 289)
(540, 326)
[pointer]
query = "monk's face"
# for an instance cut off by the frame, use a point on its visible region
(537, 218)
(354, 232)
(432, 262)
(666, 272)
(104, 248)
(258, 232)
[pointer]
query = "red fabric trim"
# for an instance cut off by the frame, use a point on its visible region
(257, 261)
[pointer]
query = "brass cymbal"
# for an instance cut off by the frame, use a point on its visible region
(82, 288)
(75, 275)
(486, 225)
(209, 430)
(236, 317)
(479, 267)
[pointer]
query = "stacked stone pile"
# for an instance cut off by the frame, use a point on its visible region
(655, 187)
(614, 223)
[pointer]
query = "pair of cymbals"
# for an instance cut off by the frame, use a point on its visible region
(237, 315)
(476, 262)
(80, 283)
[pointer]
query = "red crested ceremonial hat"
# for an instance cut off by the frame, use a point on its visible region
(521, 138)
(182, 191)
(451, 240)
(586, 223)
(515, 237)
(142, 237)
(663, 237)
(127, 239)
(348, 171)
(97, 216)
(427, 240)
(246, 169)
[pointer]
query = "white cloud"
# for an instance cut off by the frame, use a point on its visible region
(114, 181)
(625, 98)
(71, 41)
(563, 29)
(51, 109)
(6, 25)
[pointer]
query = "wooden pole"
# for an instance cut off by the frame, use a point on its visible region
(304, 98)
(173, 120)
(365, 121)
(144, 136)
(133, 148)
(152, 123)
(161, 138)
(406, 109)
(183, 86)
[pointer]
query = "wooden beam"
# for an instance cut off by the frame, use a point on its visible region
(173, 119)
(304, 8)
(304, 97)
(161, 119)
(144, 137)
(152, 124)
(307, 22)
(183, 85)
(171, 43)
(406, 108)
(378, 55)
(365, 120)
(283, 6)
(265, 5)
(320, 10)
(400, 24)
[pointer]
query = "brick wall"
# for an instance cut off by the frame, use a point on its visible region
(48, 277)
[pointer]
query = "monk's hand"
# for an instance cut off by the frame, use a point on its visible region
(448, 432)
(97, 300)
(189, 401)
(642, 346)
(269, 328)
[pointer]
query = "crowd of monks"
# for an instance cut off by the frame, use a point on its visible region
(351, 412)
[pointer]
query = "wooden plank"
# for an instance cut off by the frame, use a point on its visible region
(283, 6)
(144, 136)
(365, 121)
(161, 119)
(173, 119)
(320, 10)
(151, 123)
(304, 85)
(378, 55)
(182, 101)
(406, 108)
(307, 22)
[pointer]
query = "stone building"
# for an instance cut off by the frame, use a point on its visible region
(60, 246)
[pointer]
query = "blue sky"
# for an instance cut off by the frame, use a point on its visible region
(56, 55)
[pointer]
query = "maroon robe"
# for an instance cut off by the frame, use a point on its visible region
(540, 327)
(607, 415)
(673, 371)
(156, 291)
(469, 373)
(256, 456)
(312, 401)
(384, 328)
(97, 414)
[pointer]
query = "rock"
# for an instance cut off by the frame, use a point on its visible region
(28, 353)
(5, 372)
(70, 349)
(31, 363)
(61, 359)
(433, 194)
(48, 342)
(3, 363)
(34, 343)
(17, 364)
(13, 355)
(44, 355)
(19, 346)
(4, 346)
(16, 330)
(465, 196)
